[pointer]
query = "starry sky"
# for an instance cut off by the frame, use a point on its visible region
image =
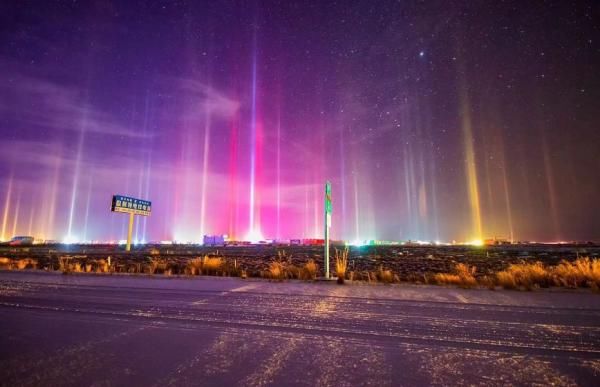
(433, 120)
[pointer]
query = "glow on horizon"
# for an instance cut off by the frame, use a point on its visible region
(475, 242)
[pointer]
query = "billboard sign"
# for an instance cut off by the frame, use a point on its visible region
(130, 205)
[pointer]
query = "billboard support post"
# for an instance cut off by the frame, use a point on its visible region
(129, 232)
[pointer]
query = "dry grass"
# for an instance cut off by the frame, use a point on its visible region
(63, 265)
(385, 276)
(152, 266)
(341, 264)
(194, 266)
(524, 275)
(309, 270)
(463, 276)
(292, 271)
(210, 265)
(584, 272)
(102, 266)
(26, 263)
(282, 256)
(276, 270)
(6, 263)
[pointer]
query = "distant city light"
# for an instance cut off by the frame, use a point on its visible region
(70, 239)
(475, 242)
(254, 236)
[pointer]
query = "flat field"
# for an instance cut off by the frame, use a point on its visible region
(408, 263)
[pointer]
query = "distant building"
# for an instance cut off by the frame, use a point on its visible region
(21, 241)
(496, 241)
(313, 242)
(214, 240)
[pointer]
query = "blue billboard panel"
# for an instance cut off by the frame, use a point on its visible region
(130, 205)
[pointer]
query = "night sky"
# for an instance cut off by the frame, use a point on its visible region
(433, 120)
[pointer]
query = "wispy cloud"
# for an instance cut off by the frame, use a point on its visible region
(32, 102)
(207, 99)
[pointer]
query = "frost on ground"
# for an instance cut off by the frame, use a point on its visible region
(83, 330)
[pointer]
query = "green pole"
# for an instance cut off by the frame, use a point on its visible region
(327, 225)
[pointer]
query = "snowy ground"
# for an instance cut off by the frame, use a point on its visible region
(118, 330)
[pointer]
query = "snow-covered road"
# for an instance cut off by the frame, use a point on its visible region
(119, 330)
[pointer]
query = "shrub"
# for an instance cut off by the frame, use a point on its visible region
(385, 276)
(582, 272)
(309, 270)
(276, 270)
(463, 276)
(506, 280)
(102, 266)
(63, 265)
(5, 263)
(26, 263)
(292, 271)
(194, 266)
(526, 275)
(152, 266)
(341, 264)
(210, 265)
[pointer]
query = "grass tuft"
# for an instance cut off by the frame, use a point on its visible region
(463, 276)
(385, 276)
(211, 265)
(309, 270)
(194, 266)
(341, 264)
(524, 275)
(26, 263)
(276, 270)
(583, 272)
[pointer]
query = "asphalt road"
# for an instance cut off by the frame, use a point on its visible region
(117, 330)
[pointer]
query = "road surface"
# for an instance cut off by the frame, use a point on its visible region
(129, 331)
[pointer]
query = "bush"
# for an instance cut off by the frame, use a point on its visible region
(309, 270)
(526, 275)
(26, 263)
(581, 273)
(341, 264)
(210, 265)
(276, 270)
(463, 276)
(385, 276)
(194, 266)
